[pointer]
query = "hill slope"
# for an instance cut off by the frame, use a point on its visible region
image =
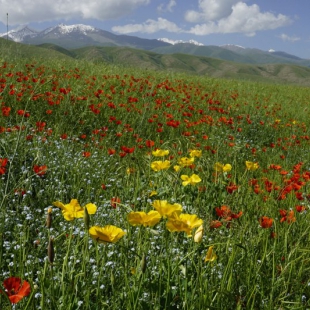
(278, 73)
(234, 53)
(189, 64)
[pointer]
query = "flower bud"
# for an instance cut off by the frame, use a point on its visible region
(49, 218)
(50, 251)
(112, 278)
(86, 218)
(143, 263)
(198, 234)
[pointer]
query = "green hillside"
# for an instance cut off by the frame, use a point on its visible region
(275, 73)
(177, 62)
(11, 50)
(240, 55)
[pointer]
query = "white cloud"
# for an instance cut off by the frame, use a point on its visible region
(25, 11)
(210, 10)
(150, 26)
(243, 19)
(285, 37)
(167, 7)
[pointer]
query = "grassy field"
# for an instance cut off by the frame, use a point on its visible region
(133, 189)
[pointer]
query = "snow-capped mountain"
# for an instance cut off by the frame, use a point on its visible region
(173, 42)
(19, 34)
(63, 29)
(79, 35)
(83, 35)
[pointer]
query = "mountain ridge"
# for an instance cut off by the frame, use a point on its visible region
(148, 60)
(80, 35)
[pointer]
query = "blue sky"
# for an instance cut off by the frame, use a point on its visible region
(280, 25)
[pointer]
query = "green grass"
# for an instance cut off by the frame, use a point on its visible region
(91, 126)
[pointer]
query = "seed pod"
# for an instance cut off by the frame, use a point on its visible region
(112, 278)
(49, 218)
(50, 251)
(86, 218)
(143, 263)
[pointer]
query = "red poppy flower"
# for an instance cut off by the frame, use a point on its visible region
(3, 162)
(16, 289)
(300, 208)
(224, 211)
(40, 126)
(115, 201)
(6, 111)
(265, 222)
(215, 224)
(287, 216)
(86, 154)
(39, 170)
(149, 143)
(231, 188)
(128, 150)
(111, 151)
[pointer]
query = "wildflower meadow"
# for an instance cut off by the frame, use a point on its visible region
(123, 188)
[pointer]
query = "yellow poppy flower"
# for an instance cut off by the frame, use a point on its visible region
(186, 161)
(251, 166)
(159, 153)
(195, 153)
(73, 209)
(130, 171)
(160, 165)
(192, 180)
(146, 219)
(176, 168)
(106, 234)
(222, 168)
(183, 222)
(153, 193)
(166, 209)
(211, 256)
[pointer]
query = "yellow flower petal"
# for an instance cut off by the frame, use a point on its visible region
(159, 153)
(198, 234)
(91, 208)
(106, 234)
(251, 166)
(166, 209)
(183, 222)
(176, 168)
(59, 204)
(192, 180)
(186, 161)
(211, 256)
(160, 165)
(195, 153)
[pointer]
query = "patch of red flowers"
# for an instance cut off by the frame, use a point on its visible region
(286, 216)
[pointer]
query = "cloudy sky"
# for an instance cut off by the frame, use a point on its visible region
(266, 24)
